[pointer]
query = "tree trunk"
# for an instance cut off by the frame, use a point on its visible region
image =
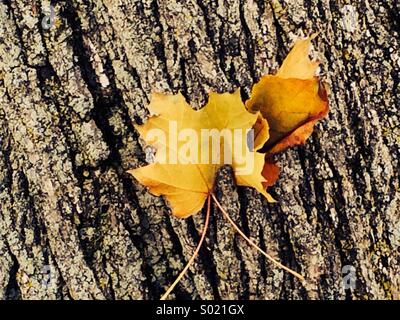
(75, 225)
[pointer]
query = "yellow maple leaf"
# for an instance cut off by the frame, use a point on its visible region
(188, 157)
(292, 101)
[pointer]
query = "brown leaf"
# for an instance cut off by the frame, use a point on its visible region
(291, 101)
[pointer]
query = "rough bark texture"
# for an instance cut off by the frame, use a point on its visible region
(75, 225)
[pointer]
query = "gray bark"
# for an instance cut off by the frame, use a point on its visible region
(75, 225)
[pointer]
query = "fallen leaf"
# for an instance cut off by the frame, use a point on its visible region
(291, 101)
(186, 181)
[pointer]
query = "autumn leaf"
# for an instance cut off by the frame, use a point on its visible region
(292, 101)
(280, 113)
(178, 173)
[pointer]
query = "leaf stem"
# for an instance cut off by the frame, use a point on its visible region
(277, 263)
(195, 253)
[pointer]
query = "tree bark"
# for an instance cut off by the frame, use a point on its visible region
(75, 225)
